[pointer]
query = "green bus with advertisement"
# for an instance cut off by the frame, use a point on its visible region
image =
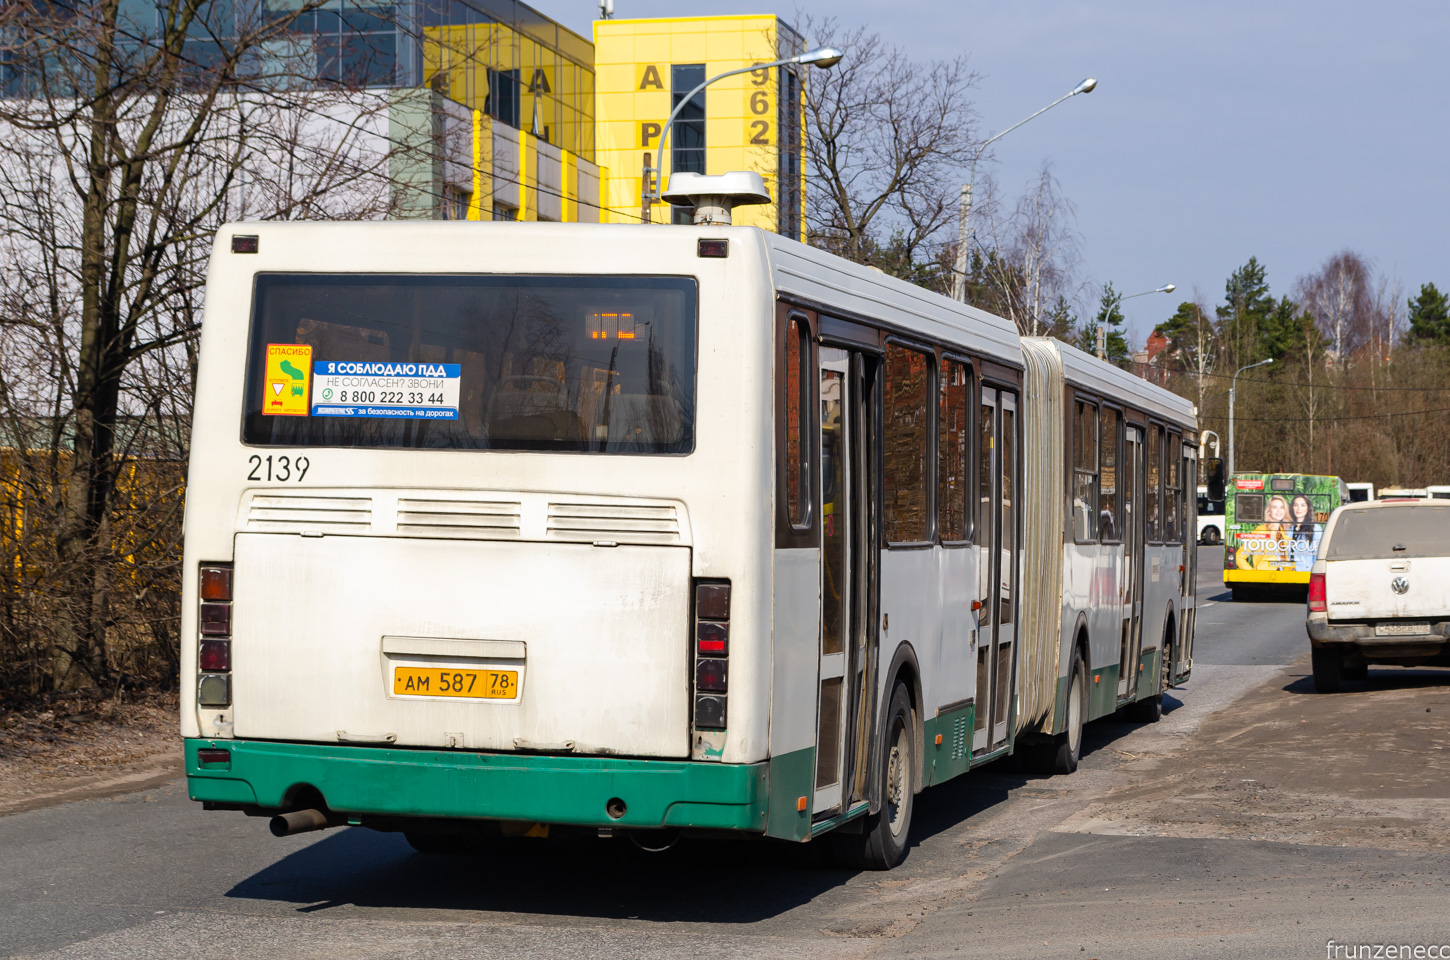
(1272, 526)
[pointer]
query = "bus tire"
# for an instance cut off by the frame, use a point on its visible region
(1150, 709)
(1328, 670)
(436, 842)
(1065, 750)
(882, 842)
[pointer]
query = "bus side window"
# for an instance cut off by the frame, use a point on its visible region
(1085, 472)
(1172, 490)
(908, 376)
(954, 431)
(797, 418)
(1154, 482)
(1108, 475)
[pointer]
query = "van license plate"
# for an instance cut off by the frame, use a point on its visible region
(448, 682)
(1400, 629)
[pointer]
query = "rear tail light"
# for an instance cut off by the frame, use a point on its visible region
(215, 656)
(1316, 593)
(710, 675)
(712, 601)
(216, 583)
(712, 665)
(216, 619)
(214, 690)
(214, 623)
(709, 713)
(712, 639)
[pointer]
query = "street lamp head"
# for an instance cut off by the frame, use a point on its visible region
(1168, 288)
(1085, 87)
(823, 57)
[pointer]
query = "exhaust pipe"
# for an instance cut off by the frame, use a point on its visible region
(301, 821)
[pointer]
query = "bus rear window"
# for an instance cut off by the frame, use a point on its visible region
(1398, 532)
(574, 364)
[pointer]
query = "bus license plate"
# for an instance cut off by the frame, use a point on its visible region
(1400, 629)
(486, 684)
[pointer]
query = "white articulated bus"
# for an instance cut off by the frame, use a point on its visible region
(503, 527)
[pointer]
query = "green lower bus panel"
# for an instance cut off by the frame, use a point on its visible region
(437, 783)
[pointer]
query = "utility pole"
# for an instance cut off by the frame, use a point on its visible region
(1232, 390)
(646, 190)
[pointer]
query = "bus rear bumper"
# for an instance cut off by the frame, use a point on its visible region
(263, 776)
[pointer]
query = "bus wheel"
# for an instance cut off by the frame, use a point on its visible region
(1150, 710)
(1066, 749)
(881, 844)
(1328, 670)
(424, 840)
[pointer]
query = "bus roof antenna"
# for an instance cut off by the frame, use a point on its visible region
(713, 197)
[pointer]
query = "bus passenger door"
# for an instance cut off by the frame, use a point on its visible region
(997, 566)
(843, 726)
(1184, 648)
(1132, 596)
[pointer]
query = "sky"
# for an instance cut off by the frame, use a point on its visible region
(1283, 129)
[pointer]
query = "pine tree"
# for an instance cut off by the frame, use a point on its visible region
(1281, 331)
(1110, 318)
(1430, 316)
(1187, 334)
(1060, 321)
(1247, 305)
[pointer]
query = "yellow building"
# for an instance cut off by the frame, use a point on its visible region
(753, 121)
(511, 116)
(503, 126)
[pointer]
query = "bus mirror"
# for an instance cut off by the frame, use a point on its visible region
(1213, 475)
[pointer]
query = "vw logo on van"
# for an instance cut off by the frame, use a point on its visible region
(1400, 585)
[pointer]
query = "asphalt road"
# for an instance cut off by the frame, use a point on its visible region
(1002, 864)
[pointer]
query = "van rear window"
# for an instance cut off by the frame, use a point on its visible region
(574, 364)
(1393, 532)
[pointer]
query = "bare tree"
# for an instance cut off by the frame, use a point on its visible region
(1388, 309)
(1340, 296)
(123, 136)
(1030, 257)
(1193, 344)
(884, 133)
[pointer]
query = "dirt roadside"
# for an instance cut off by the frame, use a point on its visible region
(1367, 767)
(80, 748)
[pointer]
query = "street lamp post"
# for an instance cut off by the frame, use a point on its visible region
(1232, 387)
(823, 57)
(959, 273)
(1102, 331)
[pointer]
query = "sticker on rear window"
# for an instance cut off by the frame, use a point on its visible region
(409, 391)
(286, 394)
